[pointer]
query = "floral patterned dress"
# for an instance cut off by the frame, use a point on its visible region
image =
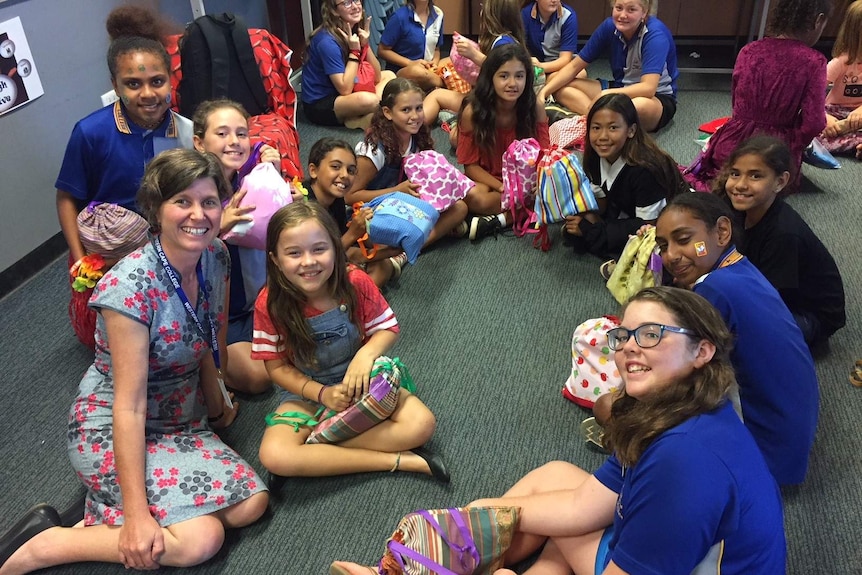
(189, 471)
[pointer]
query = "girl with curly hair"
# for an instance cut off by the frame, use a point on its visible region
(779, 89)
(398, 129)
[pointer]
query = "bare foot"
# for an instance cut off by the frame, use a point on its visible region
(859, 152)
(347, 568)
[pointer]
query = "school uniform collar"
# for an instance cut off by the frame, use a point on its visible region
(640, 34)
(124, 128)
(608, 172)
(534, 14)
(432, 15)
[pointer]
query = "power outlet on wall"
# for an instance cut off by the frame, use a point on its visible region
(109, 98)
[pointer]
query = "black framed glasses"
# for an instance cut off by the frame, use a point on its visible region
(646, 336)
(347, 3)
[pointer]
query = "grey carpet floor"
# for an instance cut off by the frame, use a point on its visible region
(486, 331)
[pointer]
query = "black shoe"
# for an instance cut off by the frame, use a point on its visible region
(556, 112)
(481, 226)
(37, 520)
(75, 512)
(439, 471)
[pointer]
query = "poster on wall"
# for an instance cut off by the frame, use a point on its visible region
(19, 81)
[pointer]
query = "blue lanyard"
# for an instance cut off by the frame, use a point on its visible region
(187, 304)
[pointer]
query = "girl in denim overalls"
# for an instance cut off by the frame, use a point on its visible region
(398, 129)
(318, 326)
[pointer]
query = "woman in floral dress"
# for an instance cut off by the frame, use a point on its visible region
(161, 486)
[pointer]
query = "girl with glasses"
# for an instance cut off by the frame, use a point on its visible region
(687, 489)
(777, 382)
(341, 76)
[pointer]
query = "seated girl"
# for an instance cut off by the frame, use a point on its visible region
(312, 298)
(500, 24)
(331, 172)
(843, 132)
(686, 490)
(341, 77)
(501, 108)
(551, 33)
(642, 59)
(221, 128)
(398, 129)
(631, 176)
(411, 43)
(778, 241)
(778, 386)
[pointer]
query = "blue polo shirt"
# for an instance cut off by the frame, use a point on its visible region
(699, 499)
(407, 37)
(106, 155)
(545, 40)
(324, 58)
(651, 51)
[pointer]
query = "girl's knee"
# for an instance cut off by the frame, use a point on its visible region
(250, 510)
(198, 540)
(415, 414)
(278, 454)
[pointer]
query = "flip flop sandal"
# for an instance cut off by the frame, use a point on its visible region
(593, 434)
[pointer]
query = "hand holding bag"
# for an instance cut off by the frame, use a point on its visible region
(563, 188)
(387, 378)
(440, 183)
(267, 191)
(519, 183)
(466, 68)
(401, 220)
(456, 541)
(638, 267)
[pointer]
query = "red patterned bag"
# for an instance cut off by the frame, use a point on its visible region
(569, 132)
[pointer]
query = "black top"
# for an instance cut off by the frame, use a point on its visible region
(797, 264)
(338, 209)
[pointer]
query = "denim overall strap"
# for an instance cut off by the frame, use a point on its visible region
(337, 341)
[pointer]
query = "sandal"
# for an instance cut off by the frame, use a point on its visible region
(593, 434)
(856, 374)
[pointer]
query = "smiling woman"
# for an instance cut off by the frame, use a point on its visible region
(154, 385)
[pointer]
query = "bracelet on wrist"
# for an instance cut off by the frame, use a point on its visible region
(320, 394)
(216, 418)
(302, 390)
(353, 59)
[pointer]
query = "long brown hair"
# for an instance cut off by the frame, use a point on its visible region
(849, 40)
(382, 131)
(483, 99)
(635, 424)
(285, 302)
(499, 18)
(639, 150)
(330, 22)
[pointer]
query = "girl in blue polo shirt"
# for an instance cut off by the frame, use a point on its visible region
(411, 43)
(341, 77)
(686, 491)
(643, 61)
(778, 386)
(551, 31)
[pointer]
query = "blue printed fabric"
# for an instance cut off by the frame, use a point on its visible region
(401, 220)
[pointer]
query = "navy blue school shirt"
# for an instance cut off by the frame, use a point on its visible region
(338, 209)
(778, 386)
(699, 499)
(545, 40)
(407, 37)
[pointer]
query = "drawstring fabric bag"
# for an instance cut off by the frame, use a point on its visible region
(455, 541)
(440, 183)
(400, 220)
(519, 184)
(387, 378)
(638, 267)
(594, 372)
